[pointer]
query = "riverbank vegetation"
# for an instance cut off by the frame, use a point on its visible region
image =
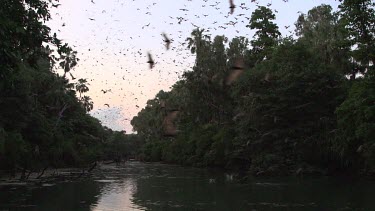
(261, 105)
(44, 120)
(303, 105)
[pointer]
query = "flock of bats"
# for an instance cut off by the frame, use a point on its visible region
(169, 126)
(237, 69)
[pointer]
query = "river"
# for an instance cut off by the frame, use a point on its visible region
(141, 186)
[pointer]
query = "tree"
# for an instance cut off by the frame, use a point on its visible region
(43, 123)
(86, 101)
(356, 120)
(281, 115)
(292, 110)
(266, 35)
(325, 33)
(359, 17)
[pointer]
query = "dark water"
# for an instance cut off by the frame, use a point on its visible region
(137, 186)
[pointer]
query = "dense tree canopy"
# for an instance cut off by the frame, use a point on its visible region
(265, 105)
(44, 120)
(293, 110)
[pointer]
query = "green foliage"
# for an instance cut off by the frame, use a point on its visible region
(120, 145)
(359, 18)
(293, 108)
(15, 149)
(356, 120)
(289, 109)
(265, 37)
(327, 37)
(149, 120)
(42, 120)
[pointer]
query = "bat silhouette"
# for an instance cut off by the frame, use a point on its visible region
(167, 41)
(150, 60)
(232, 6)
(236, 72)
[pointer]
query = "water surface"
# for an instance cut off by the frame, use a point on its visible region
(139, 186)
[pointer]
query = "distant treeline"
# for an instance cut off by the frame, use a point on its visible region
(304, 104)
(44, 120)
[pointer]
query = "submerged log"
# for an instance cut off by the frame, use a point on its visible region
(28, 175)
(92, 167)
(41, 174)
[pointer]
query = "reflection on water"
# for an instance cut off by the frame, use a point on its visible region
(137, 186)
(117, 195)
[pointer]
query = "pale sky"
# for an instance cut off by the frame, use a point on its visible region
(113, 47)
